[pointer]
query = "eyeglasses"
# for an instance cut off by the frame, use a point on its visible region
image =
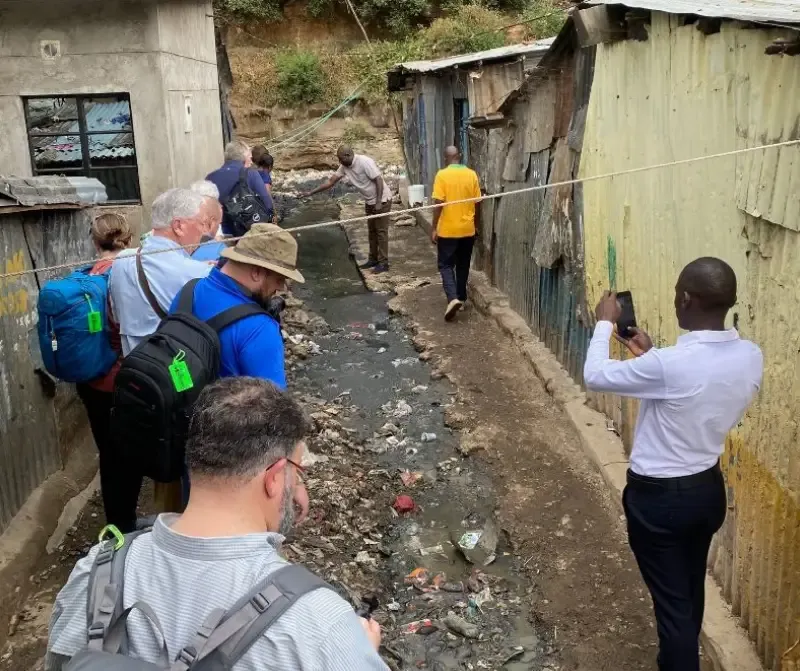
(292, 462)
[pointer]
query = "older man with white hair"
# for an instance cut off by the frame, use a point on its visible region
(211, 244)
(144, 284)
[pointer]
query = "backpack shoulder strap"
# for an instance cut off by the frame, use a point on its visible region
(243, 177)
(232, 635)
(148, 292)
(234, 314)
(106, 582)
(186, 296)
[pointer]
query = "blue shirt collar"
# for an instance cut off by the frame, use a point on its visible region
(161, 242)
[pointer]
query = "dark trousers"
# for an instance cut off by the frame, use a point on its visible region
(119, 484)
(454, 256)
(670, 526)
(378, 231)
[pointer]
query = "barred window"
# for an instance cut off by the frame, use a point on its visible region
(90, 136)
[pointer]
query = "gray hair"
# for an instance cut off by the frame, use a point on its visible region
(236, 151)
(205, 188)
(175, 204)
(241, 425)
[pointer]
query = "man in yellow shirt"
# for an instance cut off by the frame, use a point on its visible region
(454, 227)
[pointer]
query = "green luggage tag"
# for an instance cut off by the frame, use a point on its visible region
(179, 372)
(95, 318)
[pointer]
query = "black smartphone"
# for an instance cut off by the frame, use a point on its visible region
(627, 318)
(369, 604)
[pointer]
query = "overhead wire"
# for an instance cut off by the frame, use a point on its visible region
(419, 208)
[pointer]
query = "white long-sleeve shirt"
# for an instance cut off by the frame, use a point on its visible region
(692, 395)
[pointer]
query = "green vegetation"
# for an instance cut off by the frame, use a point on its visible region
(244, 10)
(300, 78)
(265, 76)
(390, 18)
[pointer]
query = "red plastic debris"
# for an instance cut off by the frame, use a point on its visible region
(404, 504)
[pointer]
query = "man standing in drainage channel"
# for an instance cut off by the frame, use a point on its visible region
(692, 395)
(363, 174)
(454, 227)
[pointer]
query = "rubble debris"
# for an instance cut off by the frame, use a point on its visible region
(406, 361)
(428, 437)
(459, 625)
(409, 478)
(478, 544)
(414, 627)
(404, 504)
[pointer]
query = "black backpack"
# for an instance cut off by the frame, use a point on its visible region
(242, 208)
(160, 380)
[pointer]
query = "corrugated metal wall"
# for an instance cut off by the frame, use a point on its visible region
(531, 244)
(678, 95)
(489, 86)
(35, 425)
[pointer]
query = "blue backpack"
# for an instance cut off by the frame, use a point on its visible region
(73, 327)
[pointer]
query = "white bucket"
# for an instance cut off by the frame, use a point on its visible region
(416, 194)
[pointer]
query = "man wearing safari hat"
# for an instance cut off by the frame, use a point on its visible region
(255, 270)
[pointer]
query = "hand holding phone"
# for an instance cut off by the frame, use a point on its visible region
(626, 321)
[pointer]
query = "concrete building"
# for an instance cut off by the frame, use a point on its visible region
(124, 90)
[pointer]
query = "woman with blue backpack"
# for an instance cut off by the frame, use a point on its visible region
(110, 233)
(80, 343)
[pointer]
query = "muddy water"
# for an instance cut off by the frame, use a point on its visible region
(371, 358)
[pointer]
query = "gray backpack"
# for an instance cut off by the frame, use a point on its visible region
(221, 640)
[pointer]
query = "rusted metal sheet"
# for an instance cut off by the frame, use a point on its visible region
(554, 232)
(768, 182)
(32, 443)
(540, 116)
(780, 11)
(641, 229)
(489, 86)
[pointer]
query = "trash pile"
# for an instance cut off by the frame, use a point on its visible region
(374, 535)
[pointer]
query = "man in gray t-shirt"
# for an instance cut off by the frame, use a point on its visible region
(362, 173)
(244, 449)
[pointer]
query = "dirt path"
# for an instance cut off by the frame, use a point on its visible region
(562, 592)
(587, 591)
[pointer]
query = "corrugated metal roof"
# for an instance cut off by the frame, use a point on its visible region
(112, 117)
(32, 191)
(775, 11)
(501, 53)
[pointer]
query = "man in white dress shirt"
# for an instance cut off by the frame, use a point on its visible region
(692, 395)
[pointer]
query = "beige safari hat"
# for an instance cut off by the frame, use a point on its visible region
(270, 247)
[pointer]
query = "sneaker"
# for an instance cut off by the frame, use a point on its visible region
(379, 268)
(452, 308)
(368, 265)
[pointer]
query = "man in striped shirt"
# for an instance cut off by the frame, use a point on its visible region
(244, 449)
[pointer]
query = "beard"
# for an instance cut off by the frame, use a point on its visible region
(287, 509)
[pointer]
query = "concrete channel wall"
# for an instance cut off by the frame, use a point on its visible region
(553, 254)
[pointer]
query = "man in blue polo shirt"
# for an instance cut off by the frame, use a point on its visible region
(238, 157)
(256, 269)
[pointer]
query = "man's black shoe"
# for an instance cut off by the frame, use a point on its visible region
(380, 268)
(368, 265)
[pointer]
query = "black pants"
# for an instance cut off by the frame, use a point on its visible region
(670, 526)
(454, 256)
(119, 484)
